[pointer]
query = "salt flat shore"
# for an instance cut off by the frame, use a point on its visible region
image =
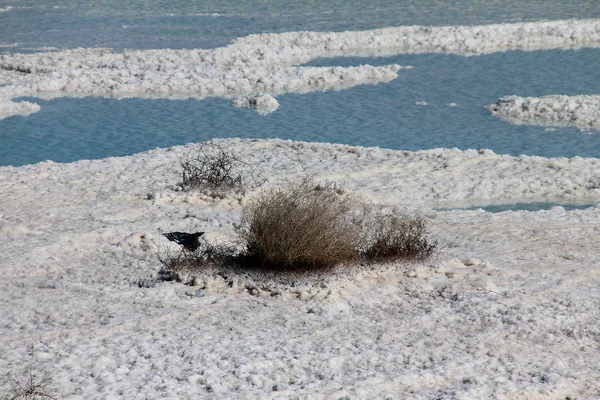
(508, 309)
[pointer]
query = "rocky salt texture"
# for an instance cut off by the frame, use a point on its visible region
(582, 112)
(9, 108)
(509, 308)
(268, 63)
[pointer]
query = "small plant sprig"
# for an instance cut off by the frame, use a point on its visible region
(30, 386)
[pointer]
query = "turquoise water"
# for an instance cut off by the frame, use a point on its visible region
(192, 24)
(537, 206)
(385, 115)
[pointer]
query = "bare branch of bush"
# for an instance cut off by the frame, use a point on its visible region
(30, 386)
(212, 167)
(177, 260)
(185, 261)
(398, 236)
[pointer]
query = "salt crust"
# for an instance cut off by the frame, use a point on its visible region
(580, 111)
(262, 103)
(268, 63)
(9, 108)
(509, 309)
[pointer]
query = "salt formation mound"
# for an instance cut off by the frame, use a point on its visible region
(263, 103)
(9, 108)
(268, 63)
(580, 111)
(461, 40)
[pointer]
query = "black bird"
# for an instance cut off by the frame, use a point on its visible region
(189, 241)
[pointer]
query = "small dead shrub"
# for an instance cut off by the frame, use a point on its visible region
(212, 167)
(30, 386)
(175, 262)
(304, 227)
(178, 260)
(398, 236)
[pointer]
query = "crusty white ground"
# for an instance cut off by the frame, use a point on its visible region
(266, 63)
(509, 309)
(582, 112)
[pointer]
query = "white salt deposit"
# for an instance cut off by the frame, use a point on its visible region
(580, 111)
(268, 63)
(262, 103)
(509, 309)
(225, 72)
(24, 108)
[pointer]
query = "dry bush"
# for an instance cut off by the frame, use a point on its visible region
(304, 227)
(398, 236)
(311, 228)
(214, 168)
